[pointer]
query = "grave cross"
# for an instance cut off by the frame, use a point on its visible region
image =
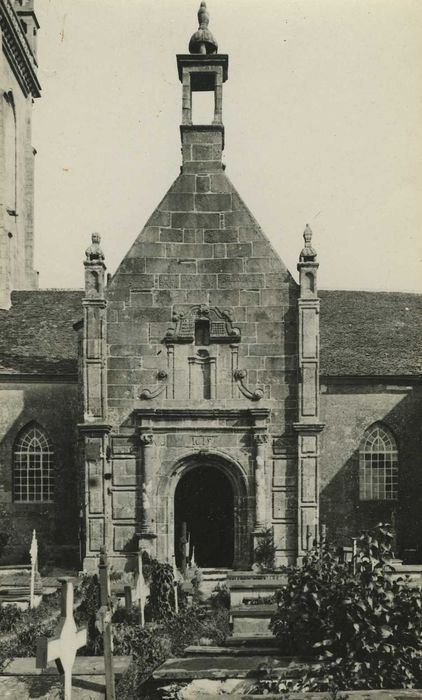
(138, 594)
(34, 567)
(62, 649)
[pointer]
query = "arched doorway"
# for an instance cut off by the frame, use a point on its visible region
(204, 500)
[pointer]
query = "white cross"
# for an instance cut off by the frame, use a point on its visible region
(62, 648)
(34, 566)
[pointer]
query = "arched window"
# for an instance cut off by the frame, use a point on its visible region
(33, 456)
(378, 465)
(10, 153)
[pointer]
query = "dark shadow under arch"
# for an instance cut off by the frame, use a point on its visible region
(204, 500)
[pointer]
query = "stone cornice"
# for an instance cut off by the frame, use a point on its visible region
(17, 50)
(201, 413)
(94, 428)
(22, 378)
(315, 427)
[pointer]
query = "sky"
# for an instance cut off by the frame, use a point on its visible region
(323, 125)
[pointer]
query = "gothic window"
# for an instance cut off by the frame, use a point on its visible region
(33, 458)
(378, 465)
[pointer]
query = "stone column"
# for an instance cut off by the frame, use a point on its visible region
(308, 425)
(148, 525)
(260, 483)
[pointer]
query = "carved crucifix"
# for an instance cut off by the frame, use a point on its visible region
(63, 647)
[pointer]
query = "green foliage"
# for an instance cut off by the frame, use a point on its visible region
(9, 617)
(86, 613)
(265, 551)
(7, 530)
(27, 630)
(160, 603)
(220, 597)
(365, 627)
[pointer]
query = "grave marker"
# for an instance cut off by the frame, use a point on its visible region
(34, 568)
(104, 614)
(62, 648)
(176, 590)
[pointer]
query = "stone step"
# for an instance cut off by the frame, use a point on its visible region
(224, 667)
(248, 642)
(255, 576)
(233, 650)
(252, 620)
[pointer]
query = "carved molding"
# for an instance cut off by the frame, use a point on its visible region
(162, 376)
(221, 327)
(239, 375)
(18, 51)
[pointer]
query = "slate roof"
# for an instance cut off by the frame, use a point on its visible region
(36, 333)
(362, 333)
(370, 333)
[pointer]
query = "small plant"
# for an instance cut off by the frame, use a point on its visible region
(220, 597)
(334, 694)
(265, 551)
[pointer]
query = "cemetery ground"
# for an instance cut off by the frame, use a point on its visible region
(330, 629)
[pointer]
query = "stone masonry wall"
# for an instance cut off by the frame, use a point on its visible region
(201, 247)
(54, 407)
(347, 410)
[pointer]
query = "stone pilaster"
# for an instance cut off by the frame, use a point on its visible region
(308, 425)
(94, 334)
(148, 525)
(97, 494)
(260, 482)
(94, 430)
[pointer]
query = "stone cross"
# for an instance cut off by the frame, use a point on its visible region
(105, 614)
(138, 593)
(62, 648)
(176, 590)
(34, 567)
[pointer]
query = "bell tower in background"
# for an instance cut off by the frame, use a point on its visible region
(19, 87)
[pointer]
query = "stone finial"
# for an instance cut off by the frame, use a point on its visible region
(308, 253)
(94, 252)
(202, 41)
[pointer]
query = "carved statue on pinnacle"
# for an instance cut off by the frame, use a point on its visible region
(308, 253)
(94, 252)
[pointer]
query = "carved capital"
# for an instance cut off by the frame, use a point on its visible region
(261, 438)
(147, 439)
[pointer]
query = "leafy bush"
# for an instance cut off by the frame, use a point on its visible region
(86, 613)
(160, 603)
(265, 551)
(365, 626)
(9, 616)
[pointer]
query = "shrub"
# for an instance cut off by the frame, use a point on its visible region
(265, 551)
(9, 616)
(160, 603)
(365, 627)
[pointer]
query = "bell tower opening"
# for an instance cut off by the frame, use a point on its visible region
(204, 510)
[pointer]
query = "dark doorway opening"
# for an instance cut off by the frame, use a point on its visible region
(204, 501)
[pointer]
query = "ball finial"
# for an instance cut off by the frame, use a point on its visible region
(203, 41)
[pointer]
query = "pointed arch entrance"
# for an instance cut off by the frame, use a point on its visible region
(209, 492)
